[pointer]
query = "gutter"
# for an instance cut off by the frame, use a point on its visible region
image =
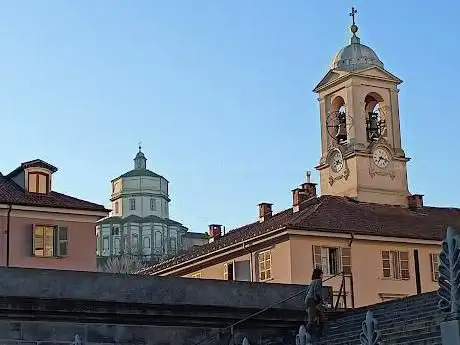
(8, 223)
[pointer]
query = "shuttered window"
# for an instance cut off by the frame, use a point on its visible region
(332, 260)
(395, 264)
(265, 266)
(434, 258)
(50, 241)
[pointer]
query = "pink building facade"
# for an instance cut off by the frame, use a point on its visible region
(41, 228)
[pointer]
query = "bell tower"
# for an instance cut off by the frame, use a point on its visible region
(361, 153)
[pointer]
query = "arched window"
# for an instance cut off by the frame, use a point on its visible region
(158, 239)
(337, 121)
(135, 242)
(375, 121)
(146, 242)
(173, 245)
(116, 246)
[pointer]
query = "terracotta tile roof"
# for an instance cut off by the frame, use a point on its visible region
(341, 215)
(11, 193)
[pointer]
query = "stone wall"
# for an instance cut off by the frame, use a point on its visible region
(51, 307)
(145, 289)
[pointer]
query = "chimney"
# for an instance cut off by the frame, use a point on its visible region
(306, 191)
(298, 196)
(309, 188)
(215, 231)
(265, 211)
(415, 201)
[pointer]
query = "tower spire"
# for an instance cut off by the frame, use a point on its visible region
(354, 28)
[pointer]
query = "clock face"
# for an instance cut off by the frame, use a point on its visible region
(336, 161)
(381, 158)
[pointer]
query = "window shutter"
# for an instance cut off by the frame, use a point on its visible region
(226, 271)
(404, 265)
(317, 257)
(31, 243)
(62, 241)
(346, 260)
(386, 265)
(434, 258)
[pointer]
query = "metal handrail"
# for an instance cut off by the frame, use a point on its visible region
(264, 310)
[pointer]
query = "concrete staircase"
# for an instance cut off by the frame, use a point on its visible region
(410, 321)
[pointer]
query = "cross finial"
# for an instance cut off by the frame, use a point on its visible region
(140, 145)
(352, 14)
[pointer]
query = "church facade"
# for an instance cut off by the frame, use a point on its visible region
(139, 223)
(374, 240)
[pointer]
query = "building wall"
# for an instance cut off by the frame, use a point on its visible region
(292, 262)
(280, 265)
(148, 239)
(366, 264)
(81, 246)
(141, 189)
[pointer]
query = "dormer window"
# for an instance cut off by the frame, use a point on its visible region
(38, 182)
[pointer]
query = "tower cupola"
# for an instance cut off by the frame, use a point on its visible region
(140, 162)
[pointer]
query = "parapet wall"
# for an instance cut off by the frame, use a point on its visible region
(23, 282)
(50, 306)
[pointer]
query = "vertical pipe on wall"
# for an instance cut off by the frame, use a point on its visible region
(8, 224)
(352, 289)
(418, 284)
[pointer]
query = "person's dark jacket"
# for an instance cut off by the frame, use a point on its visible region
(315, 291)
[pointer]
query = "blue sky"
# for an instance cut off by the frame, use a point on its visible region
(219, 92)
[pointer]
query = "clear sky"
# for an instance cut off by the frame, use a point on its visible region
(218, 91)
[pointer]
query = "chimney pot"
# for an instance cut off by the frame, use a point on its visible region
(415, 201)
(265, 211)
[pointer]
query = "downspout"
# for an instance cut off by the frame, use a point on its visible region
(352, 293)
(8, 222)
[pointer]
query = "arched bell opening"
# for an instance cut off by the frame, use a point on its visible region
(375, 120)
(338, 126)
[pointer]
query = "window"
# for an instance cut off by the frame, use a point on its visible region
(395, 264)
(105, 243)
(332, 260)
(116, 246)
(146, 242)
(38, 183)
(132, 204)
(134, 242)
(158, 239)
(50, 241)
(434, 267)
(196, 275)
(115, 231)
(173, 245)
(265, 266)
(153, 204)
(228, 271)
(116, 207)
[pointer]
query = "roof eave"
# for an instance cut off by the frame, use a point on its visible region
(209, 254)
